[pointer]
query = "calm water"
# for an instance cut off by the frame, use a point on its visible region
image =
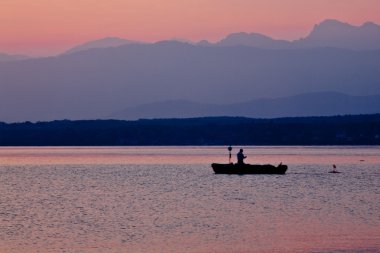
(167, 199)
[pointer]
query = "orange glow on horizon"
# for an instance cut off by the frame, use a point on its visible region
(43, 27)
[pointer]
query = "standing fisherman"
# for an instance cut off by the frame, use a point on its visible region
(240, 157)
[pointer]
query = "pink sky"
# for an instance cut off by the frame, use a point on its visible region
(43, 27)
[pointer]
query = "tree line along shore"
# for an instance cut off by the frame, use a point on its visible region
(335, 130)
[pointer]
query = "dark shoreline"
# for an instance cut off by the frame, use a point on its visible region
(306, 131)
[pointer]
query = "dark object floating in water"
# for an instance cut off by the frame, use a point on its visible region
(334, 169)
(248, 168)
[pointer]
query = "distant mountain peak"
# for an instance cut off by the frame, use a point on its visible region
(336, 24)
(244, 38)
(110, 38)
(329, 27)
(204, 43)
(334, 33)
(328, 22)
(253, 40)
(251, 35)
(101, 43)
(370, 24)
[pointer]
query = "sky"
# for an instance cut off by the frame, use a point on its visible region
(48, 27)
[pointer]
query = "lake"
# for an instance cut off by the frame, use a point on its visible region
(167, 199)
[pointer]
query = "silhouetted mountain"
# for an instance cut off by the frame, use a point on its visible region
(310, 104)
(329, 33)
(204, 43)
(10, 57)
(253, 40)
(95, 83)
(101, 43)
(333, 33)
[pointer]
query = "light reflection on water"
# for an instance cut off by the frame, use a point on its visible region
(186, 155)
(166, 199)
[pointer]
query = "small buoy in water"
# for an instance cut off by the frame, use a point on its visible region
(334, 169)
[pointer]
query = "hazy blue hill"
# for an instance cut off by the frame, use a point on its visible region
(310, 104)
(10, 57)
(97, 82)
(253, 40)
(333, 33)
(204, 43)
(329, 33)
(101, 43)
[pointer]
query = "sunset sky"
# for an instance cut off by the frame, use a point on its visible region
(43, 27)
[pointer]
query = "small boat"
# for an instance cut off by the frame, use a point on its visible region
(334, 171)
(231, 168)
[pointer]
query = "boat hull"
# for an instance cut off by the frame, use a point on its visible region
(248, 168)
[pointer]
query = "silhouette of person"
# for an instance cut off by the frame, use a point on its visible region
(240, 157)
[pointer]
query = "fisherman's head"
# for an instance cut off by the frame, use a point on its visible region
(241, 150)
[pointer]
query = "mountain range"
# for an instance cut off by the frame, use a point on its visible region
(100, 78)
(332, 33)
(329, 33)
(307, 104)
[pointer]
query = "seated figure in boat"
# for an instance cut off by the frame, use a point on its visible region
(240, 157)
